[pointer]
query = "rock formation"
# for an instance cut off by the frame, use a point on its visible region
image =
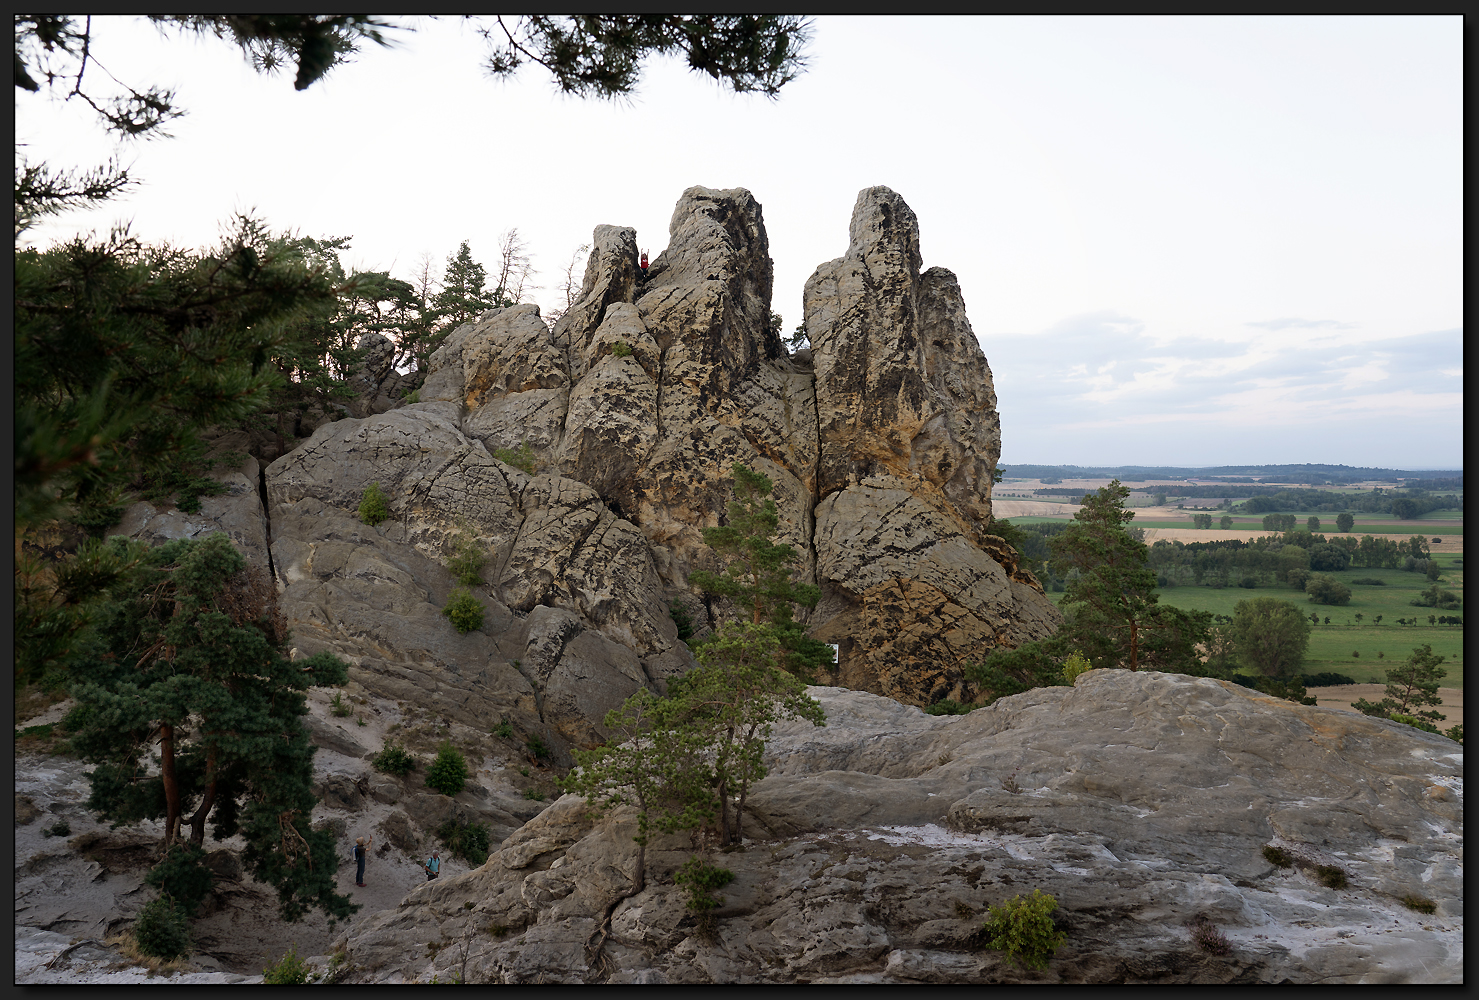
(881, 441)
(1141, 802)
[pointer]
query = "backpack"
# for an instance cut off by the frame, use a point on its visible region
(354, 853)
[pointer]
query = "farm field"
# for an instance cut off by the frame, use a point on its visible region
(1332, 646)
(1174, 525)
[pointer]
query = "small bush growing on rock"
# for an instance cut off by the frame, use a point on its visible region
(374, 505)
(448, 773)
(1414, 722)
(61, 828)
(290, 970)
(393, 759)
(464, 611)
(948, 707)
(162, 931)
(1209, 938)
(469, 841)
(1331, 877)
(1076, 664)
(702, 879)
(681, 618)
(621, 349)
(1277, 856)
(1023, 928)
(467, 560)
(1421, 904)
(339, 708)
(182, 877)
(536, 747)
(1455, 733)
(504, 729)
(523, 459)
(533, 795)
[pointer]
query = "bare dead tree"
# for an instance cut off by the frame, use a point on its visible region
(515, 267)
(570, 286)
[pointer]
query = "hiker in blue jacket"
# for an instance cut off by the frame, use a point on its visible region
(361, 851)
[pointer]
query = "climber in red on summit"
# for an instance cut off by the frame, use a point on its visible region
(644, 263)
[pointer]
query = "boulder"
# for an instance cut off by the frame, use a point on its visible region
(1141, 802)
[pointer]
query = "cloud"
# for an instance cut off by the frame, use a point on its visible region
(1101, 375)
(1294, 322)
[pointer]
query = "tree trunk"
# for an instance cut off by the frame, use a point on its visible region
(723, 812)
(1134, 645)
(171, 784)
(197, 822)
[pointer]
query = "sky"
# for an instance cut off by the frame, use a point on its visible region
(1187, 241)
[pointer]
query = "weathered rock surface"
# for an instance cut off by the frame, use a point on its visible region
(1142, 802)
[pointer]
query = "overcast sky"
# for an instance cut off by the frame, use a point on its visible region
(1182, 241)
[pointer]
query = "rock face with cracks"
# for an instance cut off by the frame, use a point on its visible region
(1141, 802)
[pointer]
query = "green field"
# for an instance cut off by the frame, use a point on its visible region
(1380, 645)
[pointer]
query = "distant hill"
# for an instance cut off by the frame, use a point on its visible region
(1313, 474)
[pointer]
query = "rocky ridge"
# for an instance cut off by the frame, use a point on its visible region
(1141, 802)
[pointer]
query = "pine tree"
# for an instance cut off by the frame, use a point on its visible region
(758, 571)
(191, 658)
(462, 297)
(1409, 687)
(1110, 601)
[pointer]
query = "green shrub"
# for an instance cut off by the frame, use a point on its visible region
(469, 841)
(504, 729)
(1455, 733)
(96, 520)
(948, 707)
(1419, 903)
(1326, 678)
(1414, 722)
(374, 505)
(533, 795)
(182, 877)
(290, 970)
(1278, 857)
(1326, 589)
(464, 611)
(621, 349)
(393, 759)
(1076, 664)
(679, 613)
(467, 560)
(522, 459)
(1023, 928)
(414, 396)
(1331, 877)
(339, 708)
(162, 930)
(448, 773)
(1369, 581)
(61, 828)
(702, 880)
(537, 747)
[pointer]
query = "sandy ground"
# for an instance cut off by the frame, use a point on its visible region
(1342, 696)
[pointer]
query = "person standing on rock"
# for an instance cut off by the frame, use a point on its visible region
(433, 865)
(361, 852)
(644, 265)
